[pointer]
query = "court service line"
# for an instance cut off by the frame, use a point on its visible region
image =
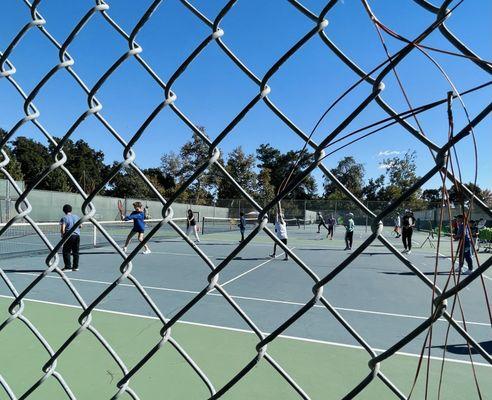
(254, 268)
(259, 299)
(226, 328)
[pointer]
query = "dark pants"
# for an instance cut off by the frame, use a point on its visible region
(71, 246)
(330, 230)
(349, 237)
(406, 237)
(321, 224)
(284, 241)
(466, 256)
(242, 233)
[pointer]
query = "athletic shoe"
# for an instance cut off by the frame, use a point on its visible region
(286, 259)
(466, 271)
(272, 255)
(125, 249)
(66, 269)
(409, 252)
(346, 248)
(404, 251)
(75, 269)
(147, 251)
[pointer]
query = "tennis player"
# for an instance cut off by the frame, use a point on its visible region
(331, 226)
(349, 231)
(321, 222)
(191, 225)
(407, 231)
(138, 218)
(281, 231)
(465, 249)
(242, 225)
(72, 245)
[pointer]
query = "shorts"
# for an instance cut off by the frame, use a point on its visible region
(137, 231)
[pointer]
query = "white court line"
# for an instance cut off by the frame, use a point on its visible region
(254, 268)
(225, 328)
(258, 299)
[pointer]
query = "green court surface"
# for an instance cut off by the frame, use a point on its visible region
(376, 294)
(324, 370)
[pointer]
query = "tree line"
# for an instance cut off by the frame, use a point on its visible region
(260, 174)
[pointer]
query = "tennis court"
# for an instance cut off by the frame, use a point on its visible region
(376, 294)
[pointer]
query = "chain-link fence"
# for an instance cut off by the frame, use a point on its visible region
(217, 37)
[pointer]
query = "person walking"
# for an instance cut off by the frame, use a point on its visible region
(72, 245)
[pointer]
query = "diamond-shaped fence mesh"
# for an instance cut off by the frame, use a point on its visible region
(217, 37)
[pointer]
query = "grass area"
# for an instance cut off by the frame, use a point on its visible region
(322, 370)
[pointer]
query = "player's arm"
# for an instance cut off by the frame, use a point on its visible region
(63, 228)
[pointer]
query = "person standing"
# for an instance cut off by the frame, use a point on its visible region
(242, 225)
(191, 225)
(397, 225)
(408, 223)
(321, 221)
(72, 244)
(331, 226)
(349, 231)
(464, 247)
(281, 231)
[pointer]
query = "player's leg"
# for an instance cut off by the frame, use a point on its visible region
(67, 249)
(409, 240)
(195, 231)
(140, 239)
(351, 239)
(284, 241)
(75, 251)
(274, 250)
(404, 239)
(128, 239)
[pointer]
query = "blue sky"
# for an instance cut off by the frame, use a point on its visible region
(213, 90)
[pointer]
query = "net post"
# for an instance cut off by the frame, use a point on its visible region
(94, 235)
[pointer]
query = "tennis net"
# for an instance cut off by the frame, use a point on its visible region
(21, 238)
(217, 225)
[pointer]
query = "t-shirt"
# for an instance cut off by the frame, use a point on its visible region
(69, 221)
(350, 225)
(407, 221)
(321, 219)
(397, 220)
(332, 221)
(138, 218)
(281, 229)
(467, 234)
(191, 221)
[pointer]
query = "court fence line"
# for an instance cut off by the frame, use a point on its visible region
(216, 37)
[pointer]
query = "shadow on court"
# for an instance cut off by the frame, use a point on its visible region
(463, 348)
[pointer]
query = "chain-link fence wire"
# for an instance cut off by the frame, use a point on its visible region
(94, 110)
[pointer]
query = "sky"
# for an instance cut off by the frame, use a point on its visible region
(212, 90)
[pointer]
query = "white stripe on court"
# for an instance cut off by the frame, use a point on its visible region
(252, 269)
(225, 328)
(259, 299)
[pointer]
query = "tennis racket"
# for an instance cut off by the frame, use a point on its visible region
(121, 209)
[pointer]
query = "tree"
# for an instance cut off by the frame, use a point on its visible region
(279, 166)
(266, 191)
(372, 191)
(401, 173)
(241, 167)
(34, 158)
(431, 196)
(127, 183)
(13, 167)
(84, 163)
(178, 168)
(350, 174)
